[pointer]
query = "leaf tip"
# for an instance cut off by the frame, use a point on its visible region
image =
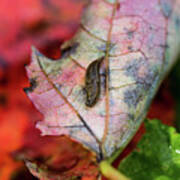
(35, 51)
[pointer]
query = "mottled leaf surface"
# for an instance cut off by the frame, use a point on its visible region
(138, 40)
(157, 155)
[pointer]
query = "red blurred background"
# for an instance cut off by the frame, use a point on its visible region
(46, 24)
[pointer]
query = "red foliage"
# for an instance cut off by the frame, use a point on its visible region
(39, 23)
(45, 24)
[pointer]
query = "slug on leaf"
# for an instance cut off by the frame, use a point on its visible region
(92, 82)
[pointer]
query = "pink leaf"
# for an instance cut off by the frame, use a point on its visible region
(138, 42)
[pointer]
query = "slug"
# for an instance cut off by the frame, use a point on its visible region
(93, 82)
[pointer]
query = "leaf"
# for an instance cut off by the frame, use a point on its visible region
(139, 42)
(157, 155)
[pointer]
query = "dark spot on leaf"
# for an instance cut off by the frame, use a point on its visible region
(130, 48)
(130, 34)
(177, 22)
(59, 86)
(144, 82)
(33, 84)
(69, 50)
(133, 96)
(102, 48)
(166, 6)
(132, 70)
(133, 67)
(150, 27)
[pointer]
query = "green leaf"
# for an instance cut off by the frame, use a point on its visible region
(157, 156)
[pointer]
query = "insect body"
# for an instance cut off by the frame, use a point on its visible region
(92, 82)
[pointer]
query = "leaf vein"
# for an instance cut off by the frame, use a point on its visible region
(67, 102)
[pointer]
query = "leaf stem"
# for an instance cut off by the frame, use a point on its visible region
(110, 172)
